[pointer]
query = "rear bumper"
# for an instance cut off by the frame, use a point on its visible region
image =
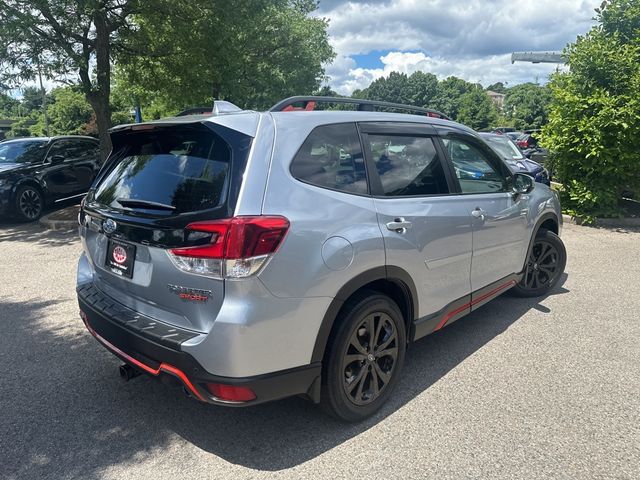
(151, 354)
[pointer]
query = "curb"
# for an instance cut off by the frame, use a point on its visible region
(55, 224)
(624, 222)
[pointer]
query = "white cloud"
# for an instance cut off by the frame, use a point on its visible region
(472, 40)
(484, 70)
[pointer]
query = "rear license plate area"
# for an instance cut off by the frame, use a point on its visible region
(121, 258)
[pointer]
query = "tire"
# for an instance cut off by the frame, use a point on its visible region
(352, 369)
(544, 266)
(29, 203)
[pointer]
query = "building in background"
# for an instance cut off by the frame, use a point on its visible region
(497, 99)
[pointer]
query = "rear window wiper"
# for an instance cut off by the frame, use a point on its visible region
(133, 203)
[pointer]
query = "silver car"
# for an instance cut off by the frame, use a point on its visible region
(255, 256)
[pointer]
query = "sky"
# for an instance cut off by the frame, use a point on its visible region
(470, 39)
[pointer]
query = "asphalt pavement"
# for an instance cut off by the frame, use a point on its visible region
(542, 388)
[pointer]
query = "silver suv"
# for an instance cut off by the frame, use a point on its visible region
(255, 256)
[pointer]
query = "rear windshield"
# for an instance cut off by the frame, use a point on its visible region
(170, 171)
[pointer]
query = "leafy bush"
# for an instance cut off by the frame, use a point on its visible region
(594, 123)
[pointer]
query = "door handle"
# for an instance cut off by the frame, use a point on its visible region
(399, 225)
(478, 213)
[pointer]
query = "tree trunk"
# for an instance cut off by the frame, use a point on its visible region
(99, 97)
(102, 109)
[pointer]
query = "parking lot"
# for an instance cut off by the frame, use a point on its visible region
(519, 389)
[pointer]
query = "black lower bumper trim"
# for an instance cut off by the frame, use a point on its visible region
(159, 360)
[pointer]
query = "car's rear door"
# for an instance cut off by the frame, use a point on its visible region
(425, 226)
(85, 162)
(59, 174)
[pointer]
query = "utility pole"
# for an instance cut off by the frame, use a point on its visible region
(44, 101)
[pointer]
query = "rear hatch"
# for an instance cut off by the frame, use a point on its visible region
(159, 179)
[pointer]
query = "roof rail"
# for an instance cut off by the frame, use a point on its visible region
(309, 102)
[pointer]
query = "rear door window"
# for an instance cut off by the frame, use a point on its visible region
(179, 169)
(407, 165)
(331, 157)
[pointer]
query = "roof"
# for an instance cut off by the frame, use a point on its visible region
(247, 121)
(335, 116)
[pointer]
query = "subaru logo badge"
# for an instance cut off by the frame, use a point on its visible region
(109, 226)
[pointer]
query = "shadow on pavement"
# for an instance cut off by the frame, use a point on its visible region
(66, 413)
(33, 232)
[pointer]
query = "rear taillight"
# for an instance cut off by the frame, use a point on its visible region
(239, 246)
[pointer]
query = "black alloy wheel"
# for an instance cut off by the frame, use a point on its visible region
(544, 266)
(29, 203)
(364, 356)
(370, 358)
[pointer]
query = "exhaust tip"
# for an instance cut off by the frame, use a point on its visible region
(127, 372)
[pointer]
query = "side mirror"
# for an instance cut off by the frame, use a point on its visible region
(522, 183)
(56, 159)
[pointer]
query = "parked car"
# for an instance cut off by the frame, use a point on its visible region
(515, 158)
(255, 256)
(501, 130)
(513, 135)
(526, 141)
(38, 171)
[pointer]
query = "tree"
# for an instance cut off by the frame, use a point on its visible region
(394, 88)
(250, 52)
(527, 105)
(69, 113)
(423, 87)
(476, 110)
(447, 98)
(497, 87)
(8, 106)
(594, 123)
(59, 38)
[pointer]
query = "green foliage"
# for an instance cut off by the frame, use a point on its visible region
(476, 110)
(423, 88)
(456, 98)
(9, 107)
(594, 123)
(21, 128)
(497, 87)
(69, 113)
(250, 52)
(394, 88)
(449, 93)
(526, 106)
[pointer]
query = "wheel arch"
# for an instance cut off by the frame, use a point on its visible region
(548, 221)
(31, 182)
(391, 281)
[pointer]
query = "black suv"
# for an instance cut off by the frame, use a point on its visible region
(38, 171)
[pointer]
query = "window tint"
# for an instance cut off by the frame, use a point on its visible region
(331, 157)
(89, 149)
(184, 168)
(72, 149)
(28, 151)
(66, 148)
(408, 165)
(475, 172)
